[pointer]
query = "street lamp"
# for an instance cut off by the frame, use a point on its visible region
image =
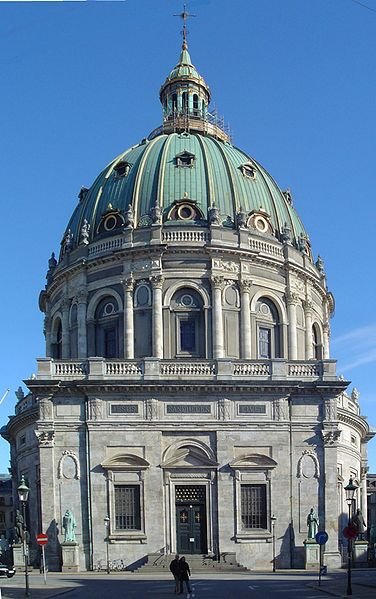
(106, 521)
(350, 491)
(23, 494)
(273, 519)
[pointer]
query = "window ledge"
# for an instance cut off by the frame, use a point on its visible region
(128, 536)
(257, 535)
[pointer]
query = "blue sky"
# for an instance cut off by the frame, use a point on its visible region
(295, 80)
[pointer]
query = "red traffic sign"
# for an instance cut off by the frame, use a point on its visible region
(350, 532)
(42, 539)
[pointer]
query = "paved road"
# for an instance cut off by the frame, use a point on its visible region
(100, 587)
(208, 589)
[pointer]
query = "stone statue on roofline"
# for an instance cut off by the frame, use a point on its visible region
(85, 232)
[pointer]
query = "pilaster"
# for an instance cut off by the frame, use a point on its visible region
(157, 333)
(330, 437)
(81, 322)
(217, 320)
(128, 319)
(308, 312)
(292, 300)
(245, 317)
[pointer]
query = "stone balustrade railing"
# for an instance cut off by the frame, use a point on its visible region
(148, 369)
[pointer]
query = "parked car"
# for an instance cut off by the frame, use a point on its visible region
(7, 571)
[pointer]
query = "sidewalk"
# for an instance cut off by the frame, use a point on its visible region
(335, 584)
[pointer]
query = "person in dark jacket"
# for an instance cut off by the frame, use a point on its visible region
(175, 571)
(184, 575)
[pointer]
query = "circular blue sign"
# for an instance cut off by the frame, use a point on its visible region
(321, 537)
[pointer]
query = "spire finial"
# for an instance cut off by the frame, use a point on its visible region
(184, 15)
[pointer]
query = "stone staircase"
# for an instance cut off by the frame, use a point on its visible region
(158, 563)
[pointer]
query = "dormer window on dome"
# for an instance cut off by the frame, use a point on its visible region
(185, 159)
(121, 169)
(185, 210)
(260, 221)
(111, 220)
(248, 170)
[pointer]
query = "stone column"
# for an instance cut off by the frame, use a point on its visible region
(308, 330)
(217, 318)
(292, 300)
(157, 333)
(245, 320)
(128, 319)
(65, 341)
(325, 341)
(81, 324)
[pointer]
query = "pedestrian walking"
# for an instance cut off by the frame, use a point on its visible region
(175, 571)
(184, 575)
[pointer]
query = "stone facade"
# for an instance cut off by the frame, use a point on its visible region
(188, 391)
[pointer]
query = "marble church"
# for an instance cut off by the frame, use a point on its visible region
(187, 401)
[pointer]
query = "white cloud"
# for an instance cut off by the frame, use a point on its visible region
(356, 348)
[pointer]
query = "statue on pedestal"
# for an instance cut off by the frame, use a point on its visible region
(69, 524)
(360, 524)
(313, 524)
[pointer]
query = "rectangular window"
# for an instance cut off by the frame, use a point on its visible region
(253, 506)
(127, 507)
(188, 335)
(264, 343)
(2, 517)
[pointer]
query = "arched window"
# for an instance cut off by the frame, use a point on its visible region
(195, 104)
(107, 328)
(316, 343)
(57, 340)
(185, 101)
(174, 102)
(268, 329)
(187, 326)
(73, 332)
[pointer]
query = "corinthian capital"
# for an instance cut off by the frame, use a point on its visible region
(245, 285)
(218, 282)
(157, 281)
(308, 305)
(292, 298)
(128, 285)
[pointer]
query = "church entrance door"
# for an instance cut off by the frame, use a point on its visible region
(191, 519)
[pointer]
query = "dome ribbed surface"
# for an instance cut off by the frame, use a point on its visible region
(154, 179)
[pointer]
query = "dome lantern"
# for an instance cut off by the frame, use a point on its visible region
(185, 96)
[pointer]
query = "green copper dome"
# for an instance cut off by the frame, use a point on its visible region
(188, 160)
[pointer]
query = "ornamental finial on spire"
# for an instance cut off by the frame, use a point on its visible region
(184, 15)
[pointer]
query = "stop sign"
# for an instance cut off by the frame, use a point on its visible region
(42, 539)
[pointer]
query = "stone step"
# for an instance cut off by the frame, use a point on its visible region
(156, 562)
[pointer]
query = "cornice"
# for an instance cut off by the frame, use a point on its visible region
(354, 421)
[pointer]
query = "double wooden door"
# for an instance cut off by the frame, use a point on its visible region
(191, 528)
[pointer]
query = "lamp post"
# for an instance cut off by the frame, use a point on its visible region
(23, 494)
(350, 491)
(106, 521)
(273, 519)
